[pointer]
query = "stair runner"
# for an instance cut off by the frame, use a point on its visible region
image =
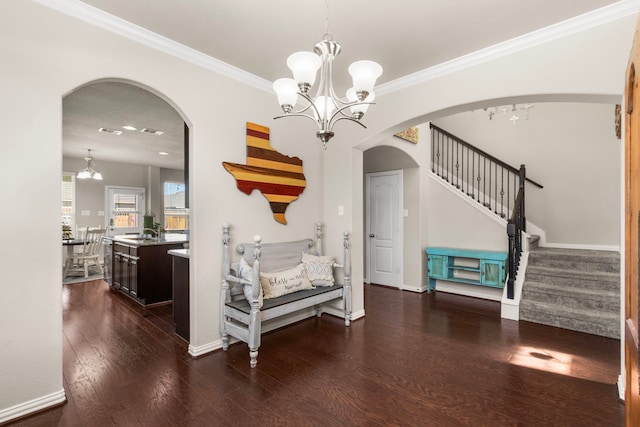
(573, 289)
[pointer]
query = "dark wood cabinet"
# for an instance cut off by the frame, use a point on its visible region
(143, 272)
(181, 295)
(119, 267)
(107, 244)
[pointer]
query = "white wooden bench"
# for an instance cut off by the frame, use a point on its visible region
(242, 309)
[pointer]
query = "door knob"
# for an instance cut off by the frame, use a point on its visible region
(372, 235)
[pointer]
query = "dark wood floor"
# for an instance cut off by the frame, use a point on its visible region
(414, 360)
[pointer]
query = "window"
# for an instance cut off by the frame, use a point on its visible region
(124, 206)
(125, 211)
(68, 199)
(176, 215)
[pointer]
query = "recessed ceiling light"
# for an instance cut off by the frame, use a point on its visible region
(111, 131)
(163, 153)
(129, 127)
(152, 131)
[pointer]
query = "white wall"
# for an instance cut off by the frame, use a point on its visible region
(48, 55)
(569, 148)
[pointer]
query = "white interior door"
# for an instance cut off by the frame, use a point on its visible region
(124, 207)
(384, 228)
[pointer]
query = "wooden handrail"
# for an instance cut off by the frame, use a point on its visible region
(484, 153)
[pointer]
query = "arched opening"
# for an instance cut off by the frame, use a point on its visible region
(391, 200)
(139, 142)
(585, 136)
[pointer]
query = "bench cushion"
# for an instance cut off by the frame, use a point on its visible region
(243, 306)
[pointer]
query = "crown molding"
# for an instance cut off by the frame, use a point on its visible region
(119, 26)
(104, 20)
(553, 32)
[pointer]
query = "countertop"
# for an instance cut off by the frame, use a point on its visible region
(141, 241)
(183, 253)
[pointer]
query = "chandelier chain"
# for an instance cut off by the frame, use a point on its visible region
(326, 22)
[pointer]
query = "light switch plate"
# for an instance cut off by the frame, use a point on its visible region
(340, 210)
(85, 213)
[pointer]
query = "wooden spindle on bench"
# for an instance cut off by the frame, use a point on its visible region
(255, 324)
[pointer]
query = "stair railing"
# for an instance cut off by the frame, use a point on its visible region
(488, 180)
(483, 177)
(516, 225)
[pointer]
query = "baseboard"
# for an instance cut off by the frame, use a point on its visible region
(476, 291)
(418, 289)
(32, 406)
(621, 387)
(357, 315)
(197, 351)
(337, 312)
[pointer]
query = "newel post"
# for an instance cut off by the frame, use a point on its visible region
(523, 178)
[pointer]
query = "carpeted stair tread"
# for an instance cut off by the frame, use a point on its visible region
(573, 289)
(571, 253)
(587, 299)
(570, 290)
(583, 260)
(589, 321)
(563, 277)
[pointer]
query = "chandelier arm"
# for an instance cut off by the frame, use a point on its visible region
(345, 106)
(312, 104)
(333, 122)
(296, 115)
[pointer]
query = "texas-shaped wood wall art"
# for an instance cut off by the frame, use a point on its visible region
(278, 177)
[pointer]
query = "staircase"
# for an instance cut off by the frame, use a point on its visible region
(573, 289)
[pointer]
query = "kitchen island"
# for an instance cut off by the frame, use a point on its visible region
(141, 266)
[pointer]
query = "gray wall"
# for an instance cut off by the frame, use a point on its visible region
(569, 148)
(90, 194)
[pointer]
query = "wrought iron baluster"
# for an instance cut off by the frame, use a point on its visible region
(457, 165)
(502, 192)
(479, 179)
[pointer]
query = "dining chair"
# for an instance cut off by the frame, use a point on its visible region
(90, 254)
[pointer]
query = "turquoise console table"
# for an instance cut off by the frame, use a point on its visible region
(483, 268)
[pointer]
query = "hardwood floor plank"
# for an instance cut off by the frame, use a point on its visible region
(415, 359)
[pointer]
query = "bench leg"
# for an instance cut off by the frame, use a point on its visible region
(255, 329)
(318, 309)
(347, 306)
(253, 355)
(225, 341)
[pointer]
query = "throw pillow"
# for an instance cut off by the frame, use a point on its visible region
(284, 282)
(319, 269)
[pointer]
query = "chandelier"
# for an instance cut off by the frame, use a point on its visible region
(89, 171)
(324, 107)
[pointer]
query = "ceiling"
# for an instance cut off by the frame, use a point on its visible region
(404, 36)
